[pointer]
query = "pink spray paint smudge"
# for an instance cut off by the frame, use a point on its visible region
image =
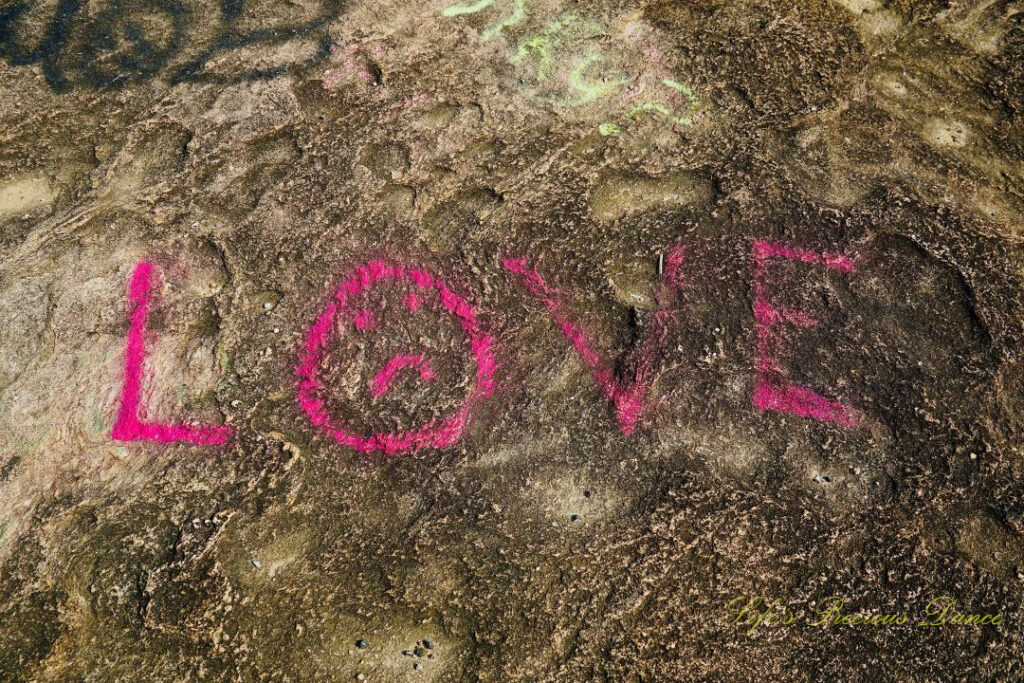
(364, 320)
(352, 64)
(381, 382)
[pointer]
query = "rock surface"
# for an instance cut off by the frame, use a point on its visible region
(258, 154)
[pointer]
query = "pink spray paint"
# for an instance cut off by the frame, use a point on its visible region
(364, 319)
(772, 391)
(382, 380)
(629, 396)
(438, 433)
(412, 301)
(353, 64)
(130, 425)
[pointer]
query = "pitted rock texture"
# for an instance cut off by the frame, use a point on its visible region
(259, 153)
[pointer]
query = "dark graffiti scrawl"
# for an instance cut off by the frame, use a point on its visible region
(114, 43)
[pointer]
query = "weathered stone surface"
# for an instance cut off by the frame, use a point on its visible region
(672, 173)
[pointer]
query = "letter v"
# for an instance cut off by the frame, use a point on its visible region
(129, 426)
(627, 395)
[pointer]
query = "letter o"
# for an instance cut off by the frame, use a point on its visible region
(438, 433)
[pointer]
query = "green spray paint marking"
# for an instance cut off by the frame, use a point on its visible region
(456, 10)
(656, 107)
(686, 92)
(517, 16)
(542, 44)
(591, 90)
(542, 47)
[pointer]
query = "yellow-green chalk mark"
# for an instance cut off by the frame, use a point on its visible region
(607, 129)
(541, 46)
(592, 90)
(656, 107)
(456, 10)
(517, 16)
(548, 38)
(686, 92)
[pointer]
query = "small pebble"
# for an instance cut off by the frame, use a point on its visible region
(419, 652)
(267, 306)
(407, 653)
(974, 456)
(574, 518)
(429, 644)
(417, 666)
(360, 677)
(362, 644)
(256, 563)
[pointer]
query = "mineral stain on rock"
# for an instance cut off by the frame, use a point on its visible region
(267, 158)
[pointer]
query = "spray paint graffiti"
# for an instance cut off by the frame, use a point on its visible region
(438, 433)
(130, 424)
(381, 382)
(126, 42)
(629, 396)
(542, 47)
(428, 295)
(772, 391)
(351, 63)
(517, 16)
(661, 108)
(568, 65)
(456, 10)
(683, 96)
(555, 50)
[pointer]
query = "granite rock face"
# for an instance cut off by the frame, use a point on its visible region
(543, 338)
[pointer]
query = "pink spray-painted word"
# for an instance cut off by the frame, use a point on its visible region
(629, 392)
